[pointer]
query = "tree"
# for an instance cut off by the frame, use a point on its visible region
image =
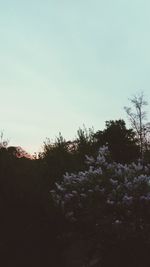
(57, 157)
(137, 117)
(120, 140)
(85, 142)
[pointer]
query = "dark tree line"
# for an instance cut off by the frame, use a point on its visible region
(69, 156)
(31, 228)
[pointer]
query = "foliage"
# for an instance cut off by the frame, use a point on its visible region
(104, 207)
(111, 200)
(120, 140)
(61, 156)
(120, 186)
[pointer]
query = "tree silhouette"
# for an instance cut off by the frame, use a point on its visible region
(120, 140)
(137, 117)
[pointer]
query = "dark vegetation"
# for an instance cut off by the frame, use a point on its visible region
(34, 232)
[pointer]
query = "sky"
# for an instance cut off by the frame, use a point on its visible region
(65, 63)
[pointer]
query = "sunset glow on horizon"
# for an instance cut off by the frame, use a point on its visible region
(68, 63)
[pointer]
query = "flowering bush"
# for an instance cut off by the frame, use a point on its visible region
(106, 186)
(111, 199)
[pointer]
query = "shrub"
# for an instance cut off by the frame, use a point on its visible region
(111, 201)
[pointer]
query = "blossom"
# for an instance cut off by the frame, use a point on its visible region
(105, 183)
(110, 202)
(127, 200)
(114, 182)
(117, 222)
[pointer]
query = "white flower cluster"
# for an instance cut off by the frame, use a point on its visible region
(106, 184)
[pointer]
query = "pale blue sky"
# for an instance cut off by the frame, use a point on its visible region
(65, 63)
